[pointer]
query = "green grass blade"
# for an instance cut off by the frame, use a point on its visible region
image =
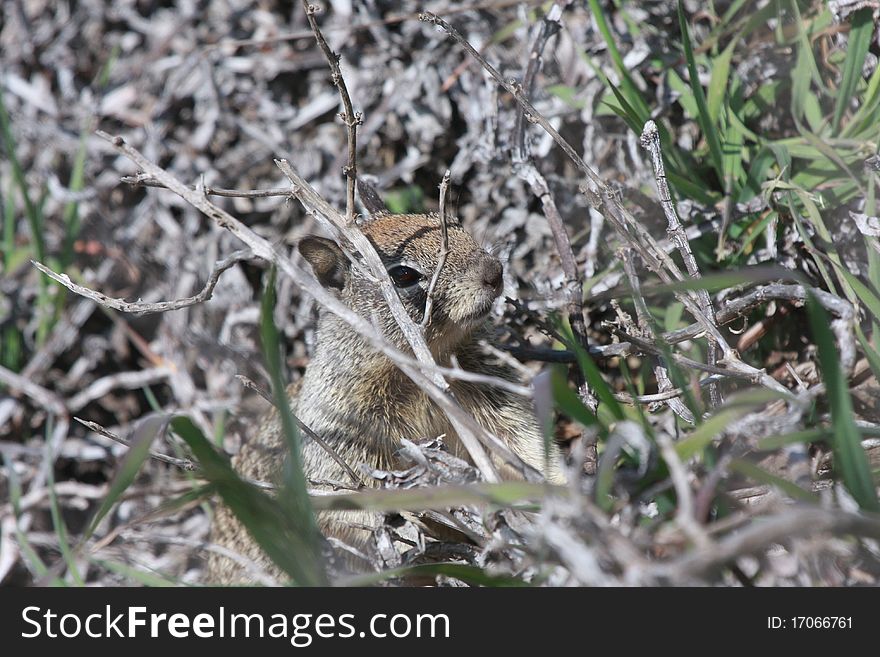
(624, 110)
(865, 116)
(567, 400)
(142, 577)
(757, 174)
(294, 494)
(849, 457)
(834, 157)
(594, 377)
(735, 408)
(630, 90)
(33, 215)
(866, 296)
(761, 476)
(806, 436)
(871, 354)
(138, 452)
(703, 118)
(803, 100)
(30, 555)
(8, 227)
(696, 191)
(264, 517)
(11, 347)
(704, 434)
(718, 81)
(734, 173)
(756, 233)
(59, 525)
(71, 210)
(811, 211)
(856, 51)
(804, 30)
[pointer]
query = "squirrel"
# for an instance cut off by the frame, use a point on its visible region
(355, 398)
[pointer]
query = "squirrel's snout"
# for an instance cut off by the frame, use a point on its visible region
(492, 274)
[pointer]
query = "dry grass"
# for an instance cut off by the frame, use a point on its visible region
(767, 165)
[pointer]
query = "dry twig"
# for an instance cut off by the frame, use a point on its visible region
(42, 397)
(762, 532)
(141, 180)
(664, 384)
(444, 251)
(184, 464)
(651, 141)
(525, 168)
(349, 117)
(684, 513)
(139, 308)
(126, 380)
(357, 480)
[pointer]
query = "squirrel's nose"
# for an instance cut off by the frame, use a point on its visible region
(492, 274)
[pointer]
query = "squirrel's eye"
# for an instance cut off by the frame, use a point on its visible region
(404, 276)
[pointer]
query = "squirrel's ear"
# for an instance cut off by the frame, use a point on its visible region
(327, 260)
(370, 198)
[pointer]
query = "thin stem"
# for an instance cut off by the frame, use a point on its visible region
(650, 140)
(444, 251)
(351, 119)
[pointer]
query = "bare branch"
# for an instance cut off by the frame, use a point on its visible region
(666, 395)
(142, 180)
(314, 203)
(549, 27)
(43, 397)
(351, 119)
(651, 141)
(515, 90)
(764, 532)
(648, 347)
(126, 380)
(444, 251)
(527, 171)
(684, 513)
(252, 385)
(183, 464)
(664, 383)
(599, 195)
(139, 308)
(358, 482)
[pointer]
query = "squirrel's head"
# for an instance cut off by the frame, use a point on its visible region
(410, 245)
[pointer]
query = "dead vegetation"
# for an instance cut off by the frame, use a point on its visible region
(736, 439)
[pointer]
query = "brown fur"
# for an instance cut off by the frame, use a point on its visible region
(359, 402)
